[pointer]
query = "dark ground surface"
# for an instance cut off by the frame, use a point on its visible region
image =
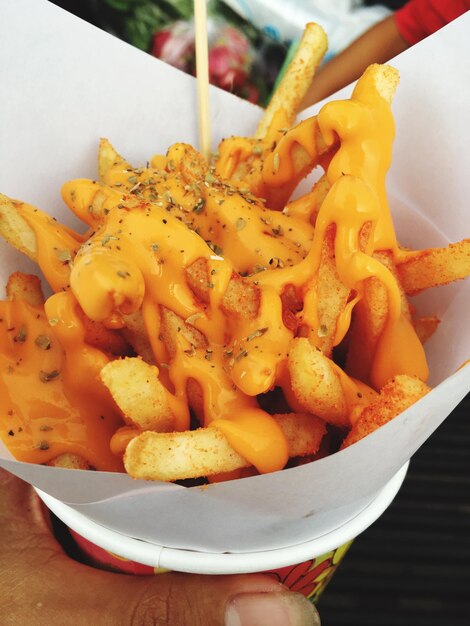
(412, 567)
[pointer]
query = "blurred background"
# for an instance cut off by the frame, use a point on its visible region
(249, 42)
(412, 567)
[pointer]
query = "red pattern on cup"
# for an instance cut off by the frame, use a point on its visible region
(308, 578)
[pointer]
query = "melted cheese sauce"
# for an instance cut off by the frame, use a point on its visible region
(150, 225)
(51, 401)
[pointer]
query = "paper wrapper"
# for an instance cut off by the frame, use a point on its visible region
(306, 568)
(204, 562)
(64, 85)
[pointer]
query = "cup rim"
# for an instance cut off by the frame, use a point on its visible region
(196, 562)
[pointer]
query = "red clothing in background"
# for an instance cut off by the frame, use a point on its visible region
(420, 18)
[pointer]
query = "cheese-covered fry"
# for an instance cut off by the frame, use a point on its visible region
(139, 394)
(436, 266)
(206, 451)
(283, 106)
(25, 287)
(396, 396)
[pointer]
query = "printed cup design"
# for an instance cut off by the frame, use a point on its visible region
(104, 559)
(311, 577)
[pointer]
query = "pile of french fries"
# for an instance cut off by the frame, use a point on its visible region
(222, 327)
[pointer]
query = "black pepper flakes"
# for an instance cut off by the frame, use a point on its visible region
(43, 342)
(64, 256)
(241, 355)
(199, 206)
(46, 377)
(21, 336)
(257, 333)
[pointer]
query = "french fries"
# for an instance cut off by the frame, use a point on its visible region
(15, 229)
(206, 323)
(70, 461)
(139, 394)
(25, 287)
(316, 384)
(205, 451)
(282, 109)
(396, 396)
(436, 266)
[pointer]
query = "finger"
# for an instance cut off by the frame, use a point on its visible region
(39, 584)
(22, 519)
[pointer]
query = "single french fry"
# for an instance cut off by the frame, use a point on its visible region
(206, 451)
(70, 461)
(91, 201)
(306, 207)
(135, 334)
(369, 320)
(25, 287)
(195, 395)
(284, 105)
(331, 295)
(176, 456)
(435, 266)
(108, 159)
(426, 326)
(63, 243)
(378, 79)
(105, 339)
(174, 330)
(139, 394)
(315, 383)
(298, 151)
(15, 229)
(396, 396)
(303, 432)
(241, 298)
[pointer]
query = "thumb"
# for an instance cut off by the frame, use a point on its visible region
(244, 600)
(40, 584)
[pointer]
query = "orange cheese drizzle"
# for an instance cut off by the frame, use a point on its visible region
(277, 174)
(120, 267)
(248, 233)
(235, 150)
(356, 173)
(140, 251)
(54, 243)
(231, 152)
(51, 401)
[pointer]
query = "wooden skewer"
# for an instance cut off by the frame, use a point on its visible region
(202, 73)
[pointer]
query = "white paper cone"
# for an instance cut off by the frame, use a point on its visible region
(64, 85)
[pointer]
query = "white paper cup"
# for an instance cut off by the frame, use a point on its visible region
(304, 567)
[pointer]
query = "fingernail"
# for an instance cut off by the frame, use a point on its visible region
(271, 609)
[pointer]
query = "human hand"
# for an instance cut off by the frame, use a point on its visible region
(40, 584)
